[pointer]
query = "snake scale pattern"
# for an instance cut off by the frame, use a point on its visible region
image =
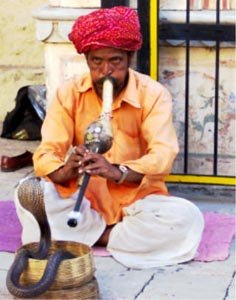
(31, 197)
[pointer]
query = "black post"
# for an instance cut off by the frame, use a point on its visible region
(217, 86)
(143, 55)
(112, 3)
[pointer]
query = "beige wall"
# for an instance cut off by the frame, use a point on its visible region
(21, 55)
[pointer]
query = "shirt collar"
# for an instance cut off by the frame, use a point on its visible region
(129, 94)
(84, 84)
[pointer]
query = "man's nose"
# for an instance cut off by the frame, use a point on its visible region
(106, 69)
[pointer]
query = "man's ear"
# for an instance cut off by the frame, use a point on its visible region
(130, 56)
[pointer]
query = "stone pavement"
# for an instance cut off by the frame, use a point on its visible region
(189, 281)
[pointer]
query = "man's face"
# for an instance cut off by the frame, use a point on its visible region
(108, 62)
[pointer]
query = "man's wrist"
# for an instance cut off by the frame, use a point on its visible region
(60, 176)
(124, 171)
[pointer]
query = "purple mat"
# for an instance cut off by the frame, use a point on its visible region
(10, 227)
(216, 240)
(217, 236)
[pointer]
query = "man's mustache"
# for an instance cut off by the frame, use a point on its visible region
(101, 81)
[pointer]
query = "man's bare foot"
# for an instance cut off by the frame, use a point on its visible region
(103, 240)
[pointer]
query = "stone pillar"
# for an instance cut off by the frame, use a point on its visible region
(53, 24)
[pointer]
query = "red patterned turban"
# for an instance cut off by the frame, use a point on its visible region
(116, 27)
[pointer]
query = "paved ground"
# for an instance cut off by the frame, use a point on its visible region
(194, 280)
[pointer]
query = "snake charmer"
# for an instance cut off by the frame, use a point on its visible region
(127, 207)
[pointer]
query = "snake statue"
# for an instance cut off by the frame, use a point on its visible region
(30, 194)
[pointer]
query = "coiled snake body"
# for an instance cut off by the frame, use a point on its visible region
(30, 194)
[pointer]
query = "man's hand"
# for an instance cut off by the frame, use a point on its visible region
(96, 164)
(71, 168)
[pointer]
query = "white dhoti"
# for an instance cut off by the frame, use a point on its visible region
(155, 231)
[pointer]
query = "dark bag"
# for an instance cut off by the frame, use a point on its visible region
(25, 120)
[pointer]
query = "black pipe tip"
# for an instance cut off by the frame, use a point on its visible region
(72, 222)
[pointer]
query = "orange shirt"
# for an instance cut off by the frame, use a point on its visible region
(144, 139)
